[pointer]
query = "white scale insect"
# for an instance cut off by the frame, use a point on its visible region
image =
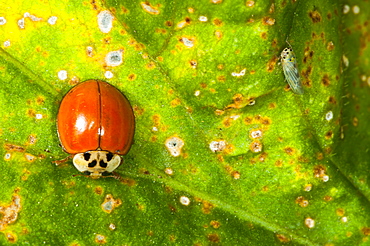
(290, 68)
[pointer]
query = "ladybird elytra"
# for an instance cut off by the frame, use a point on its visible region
(96, 125)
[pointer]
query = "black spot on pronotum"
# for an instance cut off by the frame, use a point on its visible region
(87, 156)
(102, 163)
(109, 156)
(92, 164)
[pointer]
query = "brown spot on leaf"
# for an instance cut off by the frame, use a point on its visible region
(340, 211)
(325, 80)
(131, 77)
(282, 238)
(40, 100)
(355, 121)
(320, 156)
(272, 105)
(279, 163)
(218, 34)
(100, 239)
(301, 201)
(193, 63)
(319, 171)
(248, 120)
(221, 78)
(266, 121)
(168, 23)
(98, 190)
(13, 147)
(255, 146)
(365, 231)
(274, 42)
(289, 150)
(215, 224)
(214, 238)
(315, 16)
(217, 22)
(207, 207)
(271, 64)
(332, 100)
(329, 135)
(110, 203)
(268, 21)
(328, 198)
(10, 212)
(31, 113)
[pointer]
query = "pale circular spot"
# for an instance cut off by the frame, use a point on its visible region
(256, 134)
(21, 23)
(184, 201)
(38, 116)
(203, 18)
(329, 116)
(346, 9)
(6, 43)
(240, 74)
(7, 156)
(2, 21)
(325, 178)
(114, 58)
(308, 187)
(168, 171)
(356, 9)
(108, 74)
(89, 51)
(105, 21)
(187, 42)
(256, 146)
(174, 145)
(62, 74)
(250, 3)
(52, 20)
(217, 146)
(309, 222)
(197, 93)
(112, 226)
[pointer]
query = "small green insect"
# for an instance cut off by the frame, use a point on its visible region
(291, 72)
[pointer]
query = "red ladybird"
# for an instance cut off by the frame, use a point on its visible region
(96, 125)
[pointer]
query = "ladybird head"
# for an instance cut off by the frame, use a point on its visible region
(96, 162)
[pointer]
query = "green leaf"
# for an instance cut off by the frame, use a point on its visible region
(224, 152)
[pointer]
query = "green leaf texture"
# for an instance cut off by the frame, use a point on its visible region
(224, 152)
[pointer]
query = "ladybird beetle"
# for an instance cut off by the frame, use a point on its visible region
(96, 126)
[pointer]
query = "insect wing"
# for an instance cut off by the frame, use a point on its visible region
(292, 74)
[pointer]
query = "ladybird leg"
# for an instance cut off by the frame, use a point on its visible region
(62, 161)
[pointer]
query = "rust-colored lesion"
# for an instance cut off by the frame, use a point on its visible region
(10, 212)
(110, 203)
(325, 81)
(13, 147)
(271, 64)
(315, 16)
(282, 238)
